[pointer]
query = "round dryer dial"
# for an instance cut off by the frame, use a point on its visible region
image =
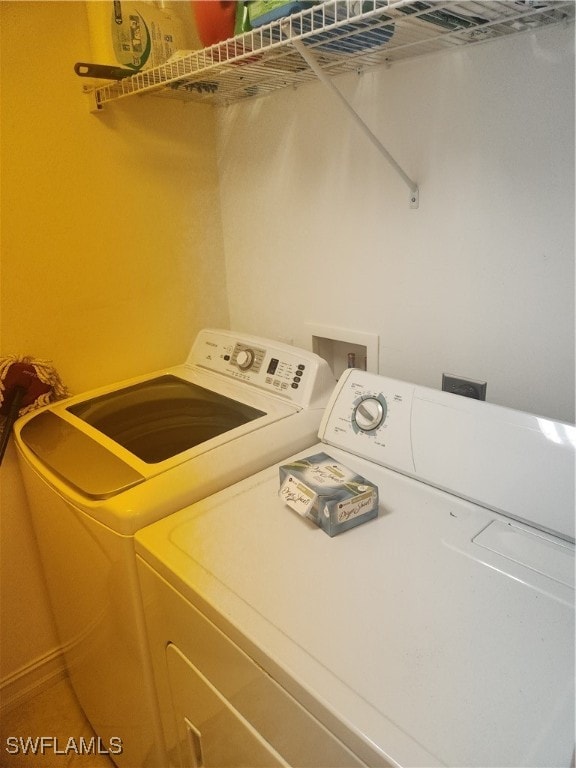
(369, 413)
(244, 359)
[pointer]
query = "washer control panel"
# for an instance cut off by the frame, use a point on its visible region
(296, 374)
(247, 358)
(369, 415)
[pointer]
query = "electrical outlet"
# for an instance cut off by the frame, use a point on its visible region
(466, 387)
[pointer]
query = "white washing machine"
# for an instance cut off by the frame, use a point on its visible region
(440, 633)
(99, 466)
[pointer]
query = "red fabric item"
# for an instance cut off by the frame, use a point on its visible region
(22, 375)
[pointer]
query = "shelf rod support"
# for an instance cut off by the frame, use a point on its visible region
(310, 59)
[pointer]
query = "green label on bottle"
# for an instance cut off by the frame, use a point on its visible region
(130, 38)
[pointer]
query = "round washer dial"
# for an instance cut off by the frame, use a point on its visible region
(369, 413)
(244, 359)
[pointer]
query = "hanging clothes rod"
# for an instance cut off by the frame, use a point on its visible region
(310, 59)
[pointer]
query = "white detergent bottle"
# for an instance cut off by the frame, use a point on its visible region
(134, 35)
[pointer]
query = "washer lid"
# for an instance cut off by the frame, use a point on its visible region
(153, 420)
(162, 417)
(72, 454)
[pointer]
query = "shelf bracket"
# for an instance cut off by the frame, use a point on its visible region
(90, 94)
(310, 59)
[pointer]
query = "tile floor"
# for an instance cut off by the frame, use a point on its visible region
(53, 713)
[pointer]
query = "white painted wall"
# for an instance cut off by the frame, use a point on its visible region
(480, 280)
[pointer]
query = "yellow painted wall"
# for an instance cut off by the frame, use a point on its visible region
(111, 249)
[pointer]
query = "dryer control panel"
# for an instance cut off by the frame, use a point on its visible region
(371, 418)
(295, 374)
(501, 458)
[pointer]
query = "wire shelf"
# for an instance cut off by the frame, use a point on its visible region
(341, 38)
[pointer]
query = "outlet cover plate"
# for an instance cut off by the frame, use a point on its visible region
(458, 385)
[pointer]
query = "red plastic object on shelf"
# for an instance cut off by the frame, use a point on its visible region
(214, 20)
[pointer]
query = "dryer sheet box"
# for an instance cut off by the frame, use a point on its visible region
(328, 493)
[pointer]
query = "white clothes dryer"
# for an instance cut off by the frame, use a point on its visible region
(440, 633)
(99, 466)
